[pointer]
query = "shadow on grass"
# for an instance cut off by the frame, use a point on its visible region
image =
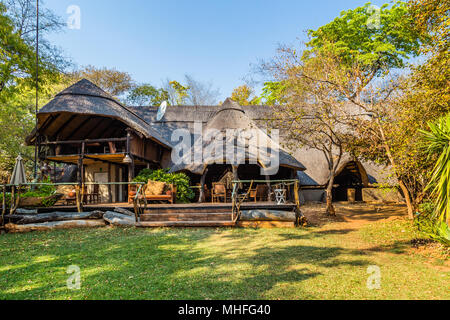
(163, 264)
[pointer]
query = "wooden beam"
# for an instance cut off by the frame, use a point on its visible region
(47, 123)
(103, 160)
(131, 170)
(109, 186)
(100, 128)
(113, 129)
(145, 160)
(93, 123)
(78, 127)
(55, 135)
(85, 141)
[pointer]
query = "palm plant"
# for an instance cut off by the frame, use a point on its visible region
(438, 143)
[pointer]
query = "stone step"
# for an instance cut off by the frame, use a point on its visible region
(221, 216)
(199, 209)
(185, 224)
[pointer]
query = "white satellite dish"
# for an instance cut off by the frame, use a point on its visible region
(161, 111)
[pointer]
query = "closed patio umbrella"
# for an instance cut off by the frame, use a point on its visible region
(18, 176)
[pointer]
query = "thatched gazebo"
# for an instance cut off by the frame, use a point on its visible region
(253, 150)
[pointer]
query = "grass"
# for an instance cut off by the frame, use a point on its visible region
(328, 262)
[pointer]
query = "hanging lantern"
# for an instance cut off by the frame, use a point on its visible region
(127, 159)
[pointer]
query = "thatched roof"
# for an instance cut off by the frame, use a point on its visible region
(316, 174)
(232, 116)
(85, 98)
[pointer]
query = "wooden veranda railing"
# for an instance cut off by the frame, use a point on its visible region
(239, 198)
(16, 191)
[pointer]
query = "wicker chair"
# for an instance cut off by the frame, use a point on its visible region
(261, 192)
(218, 191)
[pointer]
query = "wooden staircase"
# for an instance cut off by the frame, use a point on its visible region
(160, 218)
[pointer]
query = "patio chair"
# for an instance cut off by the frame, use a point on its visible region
(261, 193)
(218, 191)
(94, 197)
(85, 195)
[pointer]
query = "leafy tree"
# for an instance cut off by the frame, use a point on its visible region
(23, 15)
(273, 93)
(17, 78)
(354, 58)
(178, 93)
(313, 114)
(147, 95)
(392, 135)
(378, 40)
(368, 54)
(200, 93)
(115, 82)
(17, 58)
(17, 120)
(244, 95)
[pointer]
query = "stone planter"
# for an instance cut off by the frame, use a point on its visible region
(35, 202)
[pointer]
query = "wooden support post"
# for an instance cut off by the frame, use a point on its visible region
(80, 162)
(128, 144)
(269, 188)
(131, 170)
(13, 198)
(4, 200)
(235, 173)
(78, 199)
(18, 198)
(131, 165)
(201, 197)
(233, 202)
(4, 205)
(297, 203)
(109, 185)
(236, 176)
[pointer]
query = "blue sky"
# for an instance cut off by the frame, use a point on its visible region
(212, 40)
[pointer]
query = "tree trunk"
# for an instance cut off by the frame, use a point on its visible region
(13, 228)
(406, 194)
(267, 215)
(54, 216)
(124, 211)
(409, 201)
(118, 219)
(330, 208)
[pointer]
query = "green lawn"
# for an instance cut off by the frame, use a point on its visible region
(316, 263)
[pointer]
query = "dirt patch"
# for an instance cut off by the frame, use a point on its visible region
(433, 250)
(353, 215)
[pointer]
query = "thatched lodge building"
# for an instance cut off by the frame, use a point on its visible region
(109, 142)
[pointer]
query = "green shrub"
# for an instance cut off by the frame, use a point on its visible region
(180, 180)
(427, 223)
(45, 191)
